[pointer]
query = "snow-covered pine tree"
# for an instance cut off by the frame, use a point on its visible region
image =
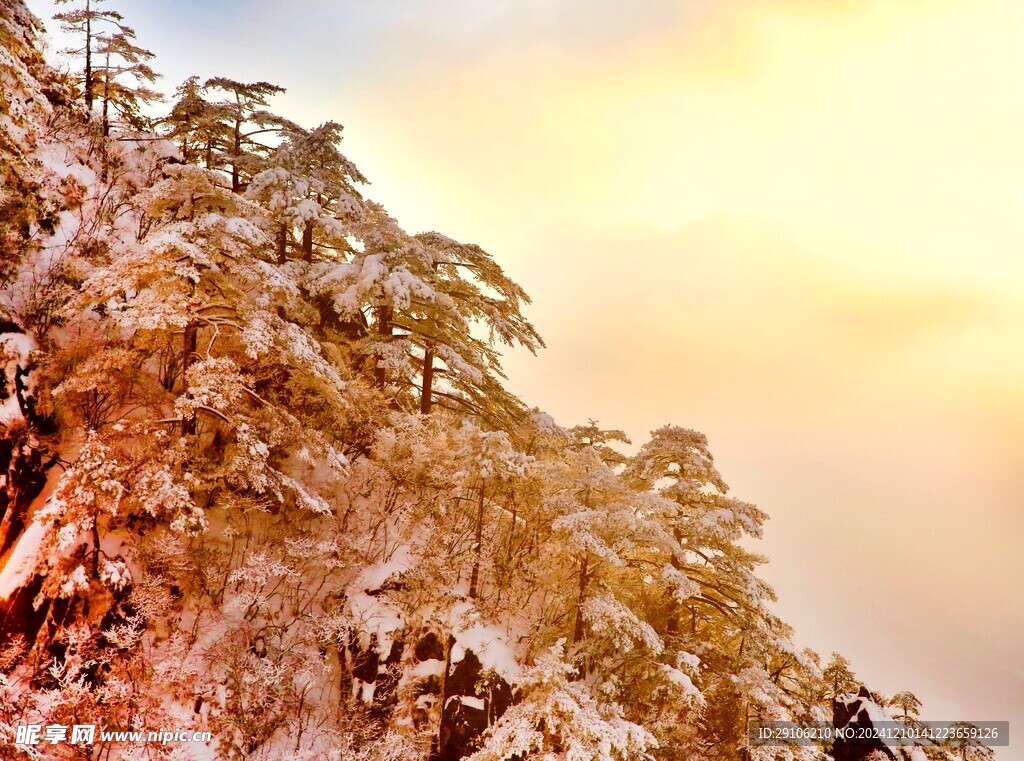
(193, 125)
(90, 22)
(118, 57)
(241, 116)
(472, 290)
(839, 677)
(310, 186)
(907, 705)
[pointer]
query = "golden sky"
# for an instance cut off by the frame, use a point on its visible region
(796, 225)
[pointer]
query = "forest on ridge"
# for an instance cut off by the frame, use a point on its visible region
(261, 472)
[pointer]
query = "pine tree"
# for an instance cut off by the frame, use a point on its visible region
(908, 705)
(89, 22)
(968, 747)
(24, 84)
(425, 299)
(838, 676)
(590, 435)
(704, 524)
(481, 296)
(193, 125)
(241, 116)
(310, 185)
(559, 720)
(120, 56)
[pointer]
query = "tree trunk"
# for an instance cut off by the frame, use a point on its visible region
(106, 101)
(23, 469)
(307, 235)
(96, 544)
(307, 241)
(236, 181)
(384, 331)
(282, 243)
(474, 578)
(88, 58)
(428, 380)
(442, 726)
(577, 633)
(188, 424)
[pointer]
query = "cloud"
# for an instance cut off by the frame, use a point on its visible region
(732, 294)
(889, 318)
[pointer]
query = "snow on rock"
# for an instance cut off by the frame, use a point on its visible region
(859, 711)
(373, 576)
(374, 618)
(15, 350)
(472, 702)
(490, 643)
(427, 668)
(21, 563)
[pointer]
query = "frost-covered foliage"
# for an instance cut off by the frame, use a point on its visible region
(261, 474)
(559, 719)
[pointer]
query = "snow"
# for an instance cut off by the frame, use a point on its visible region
(77, 582)
(21, 563)
(363, 691)
(185, 248)
(58, 159)
(373, 616)
(307, 499)
(10, 410)
(876, 713)
(610, 618)
(114, 574)
(689, 660)
(489, 642)
(373, 576)
(682, 681)
(15, 349)
(472, 702)
(428, 668)
(18, 345)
